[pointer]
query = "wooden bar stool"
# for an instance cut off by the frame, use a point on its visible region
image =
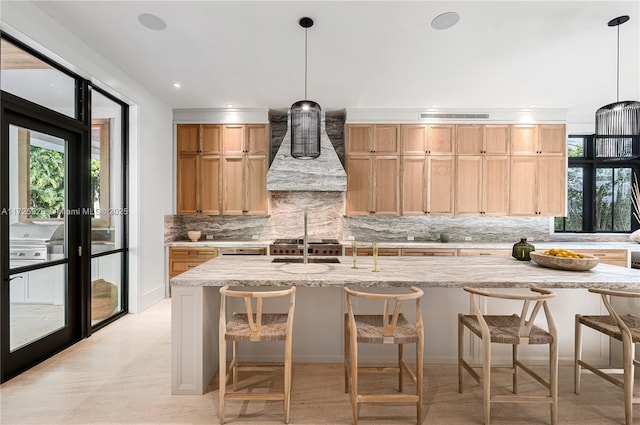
(254, 327)
(625, 328)
(383, 328)
(515, 330)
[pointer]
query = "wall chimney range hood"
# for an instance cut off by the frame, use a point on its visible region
(322, 174)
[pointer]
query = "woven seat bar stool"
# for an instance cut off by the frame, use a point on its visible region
(390, 327)
(625, 328)
(515, 330)
(253, 326)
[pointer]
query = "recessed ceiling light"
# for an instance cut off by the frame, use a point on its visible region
(177, 85)
(152, 22)
(445, 20)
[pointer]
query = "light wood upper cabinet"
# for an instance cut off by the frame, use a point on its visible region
(441, 139)
(257, 139)
(211, 139)
(427, 185)
(386, 139)
(488, 139)
(482, 185)
(222, 168)
(497, 139)
(413, 139)
(244, 189)
(198, 169)
(359, 185)
(233, 139)
(373, 185)
(469, 139)
(440, 185)
(379, 139)
(359, 139)
(538, 186)
(188, 139)
(544, 139)
(187, 182)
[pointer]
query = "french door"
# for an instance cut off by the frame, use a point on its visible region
(41, 221)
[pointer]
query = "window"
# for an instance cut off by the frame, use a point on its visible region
(599, 186)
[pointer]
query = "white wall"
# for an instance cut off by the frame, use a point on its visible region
(150, 142)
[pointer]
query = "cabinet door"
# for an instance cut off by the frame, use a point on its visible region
(441, 184)
(468, 185)
(413, 139)
(495, 185)
(256, 184)
(233, 139)
(359, 138)
(469, 139)
(258, 139)
(233, 192)
(386, 139)
(413, 183)
(386, 185)
(187, 183)
(211, 139)
(441, 139)
(497, 140)
(552, 139)
(552, 186)
(210, 184)
(523, 186)
(524, 139)
(358, 185)
(187, 137)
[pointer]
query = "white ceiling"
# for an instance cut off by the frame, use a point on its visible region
(368, 54)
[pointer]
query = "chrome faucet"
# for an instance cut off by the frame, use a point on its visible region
(305, 251)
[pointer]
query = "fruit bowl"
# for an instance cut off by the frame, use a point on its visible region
(587, 262)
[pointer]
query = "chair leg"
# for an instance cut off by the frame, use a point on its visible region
(234, 371)
(354, 376)
(346, 356)
(222, 374)
(419, 374)
(486, 380)
(400, 353)
(460, 351)
(629, 371)
(514, 365)
(553, 380)
(287, 378)
(577, 369)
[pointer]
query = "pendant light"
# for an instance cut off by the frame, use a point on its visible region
(618, 119)
(305, 116)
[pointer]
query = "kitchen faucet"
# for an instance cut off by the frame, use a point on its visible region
(305, 251)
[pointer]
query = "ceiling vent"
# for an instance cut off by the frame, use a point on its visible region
(436, 115)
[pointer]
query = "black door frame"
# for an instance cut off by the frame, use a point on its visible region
(17, 111)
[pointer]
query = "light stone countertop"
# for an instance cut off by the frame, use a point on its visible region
(630, 246)
(440, 272)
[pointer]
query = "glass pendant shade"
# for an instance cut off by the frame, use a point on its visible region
(305, 130)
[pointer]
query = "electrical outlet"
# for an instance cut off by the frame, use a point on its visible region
(409, 238)
(255, 237)
(468, 238)
(351, 238)
(530, 239)
(209, 237)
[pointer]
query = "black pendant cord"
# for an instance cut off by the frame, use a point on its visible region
(617, 68)
(305, 61)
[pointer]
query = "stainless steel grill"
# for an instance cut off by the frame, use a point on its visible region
(32, 242)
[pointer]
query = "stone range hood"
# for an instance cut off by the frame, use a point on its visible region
(322, 174)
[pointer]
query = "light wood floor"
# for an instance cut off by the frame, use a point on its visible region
(121, 376)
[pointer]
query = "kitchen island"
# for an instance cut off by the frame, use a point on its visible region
(319, 301)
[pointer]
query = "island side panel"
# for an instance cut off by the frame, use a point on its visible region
(194, 338)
